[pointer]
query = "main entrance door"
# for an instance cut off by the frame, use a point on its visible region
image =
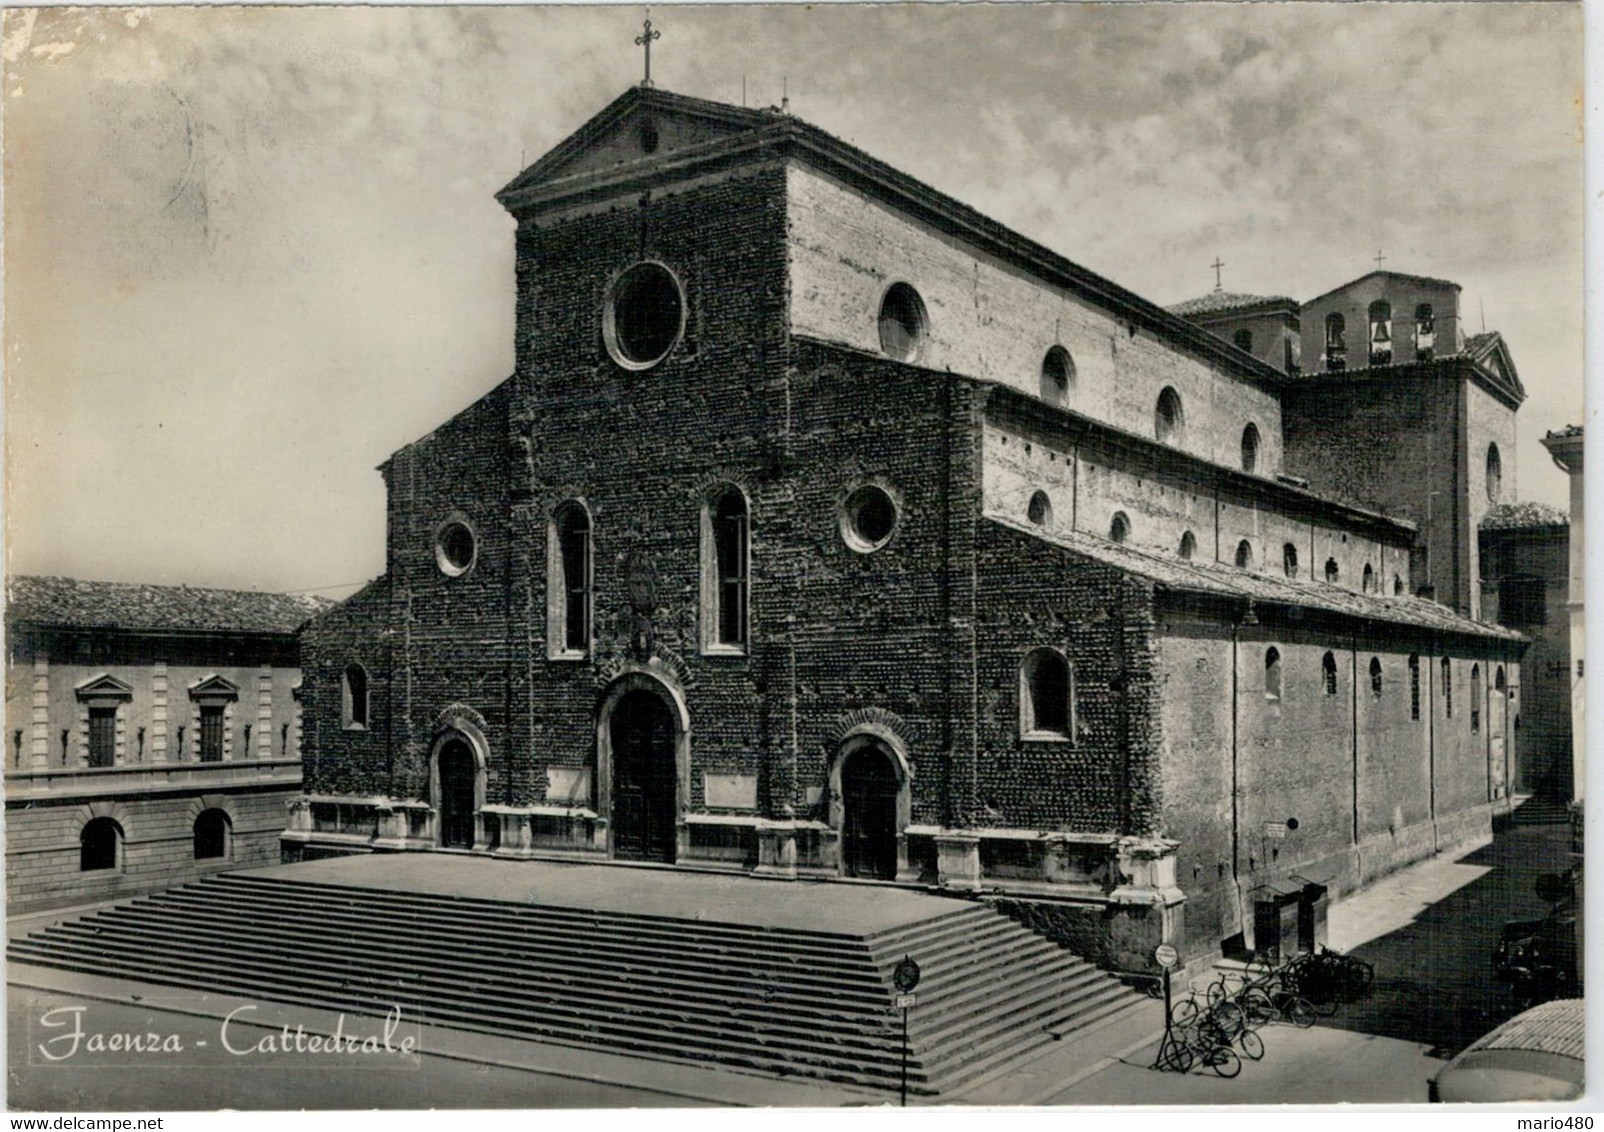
(457, 772)
(869, 814)
(643, 778)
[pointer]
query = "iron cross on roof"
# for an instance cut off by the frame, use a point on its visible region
(1216, 265)
(645, 40)
(1379, 259)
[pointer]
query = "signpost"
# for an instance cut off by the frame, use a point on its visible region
(1167, 957)
(905, 977)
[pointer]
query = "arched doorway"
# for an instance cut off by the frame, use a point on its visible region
(457, 771)
(869, 790)
(643, 777)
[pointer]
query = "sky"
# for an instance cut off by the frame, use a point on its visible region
(250, 252)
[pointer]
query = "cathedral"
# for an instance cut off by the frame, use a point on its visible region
(828, 530)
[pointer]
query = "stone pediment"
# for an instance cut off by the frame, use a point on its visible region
(214, 687)
(104, 687)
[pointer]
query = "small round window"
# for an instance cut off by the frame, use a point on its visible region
(868, 518)
(644, 316)
(902, 323)
(454, 548)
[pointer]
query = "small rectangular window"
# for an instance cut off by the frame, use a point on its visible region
(211, 735)
(102, 736)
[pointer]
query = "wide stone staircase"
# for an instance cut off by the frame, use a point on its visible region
(774, 1001)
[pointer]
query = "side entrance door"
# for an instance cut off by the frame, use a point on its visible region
(643, 778)
(869, 815)
(457, 773)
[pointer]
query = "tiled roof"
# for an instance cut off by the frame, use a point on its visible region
(1523, 516)
(1226, 301)
(130, 606)
(1559, 1026)
(1215, 578)
(1479, 346)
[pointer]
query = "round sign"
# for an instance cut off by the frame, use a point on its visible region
(1166, 955)
(906, 975)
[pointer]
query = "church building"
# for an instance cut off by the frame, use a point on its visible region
(827, 529)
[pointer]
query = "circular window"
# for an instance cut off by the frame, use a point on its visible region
(902, 323)
(1040, 510)
(644, 316)
(1495, 473)
(1057, 375)
(868, 518)
(454, 547)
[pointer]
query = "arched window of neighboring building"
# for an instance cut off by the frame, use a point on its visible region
(1380, 333)
(1250, 447)
(1397, 585)
(1328, 672)
(354, 697)
(1495, 473)
(1289, 560)
(1368, 583)
(1447, 689)
(1169, 422)
(1336, 342)
(1272, 674)
(725, 568)
(1475, 698)
(1414, 686)
(569, 589)
(1046, 695)
(1499, 684)
(1057, 375)
(1425, 333)
(1120, 529)
(213, 832)
(1040, 511)
(1332, 571)
(902, 323)
(100, 846)
(1244, 555)
(1188, 545)
(1243, 340)
(1375, 676)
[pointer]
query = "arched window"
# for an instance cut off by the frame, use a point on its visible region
(1244, 555)
(1169, 422)
(1499, 685)
(100, 846)
(1047, 692)
(354, 697)
(902, 323)
(1425, 333)
(1328, 671)
(1375, 676)
(1368, 584)
(1120, 529)
(725, 569)
(213, 833)
(1188, 545)
(568, 590)
(1057, 375)
(1475, 698)
(1336, 342)
(1447, 688)
(1397, 585)
(1250, 447)
(1380, 333)
(1495, 473)
(1272, 674)
(1040, 510)
(1414, 686)
(1289, 560)
(1332, 572)
(1243, 340)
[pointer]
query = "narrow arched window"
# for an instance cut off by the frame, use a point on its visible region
(100, 845)
(1336, 342)
(1375, 676)
(1250, 447)
(1328, 672)
(1447, 689)
(1169, 421)
(1425, 333)
(1495, 473)
(1369, 582)
(1120, 528)
(1057, 375)
(1040, 509)
(1289, 560)
(1244, 555)
(725, 569)
(1397, 585)
(1243, 340)
(1475, 698)
(1414, 686)
(568, 591)
(1332, 571)
(1499, 684)
(1380, 333)
(212, 835)
(1046, 695)
(354, 697)
(1188, 545)
(1272, 674)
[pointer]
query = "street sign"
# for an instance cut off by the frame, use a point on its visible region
(903, 1001)
(1166, 955)
(906, 975)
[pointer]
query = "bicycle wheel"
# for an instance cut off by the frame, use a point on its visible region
(1184, 1013)
(1224, 1061)
(1251, 1044)
(1300, 1012)
(1230, 1017)
(1218, 992)
(1257, 1007)
(1174, 1055)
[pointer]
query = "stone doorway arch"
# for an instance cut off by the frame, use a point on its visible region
(457, 788)
(643, 768)
(870, 804)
